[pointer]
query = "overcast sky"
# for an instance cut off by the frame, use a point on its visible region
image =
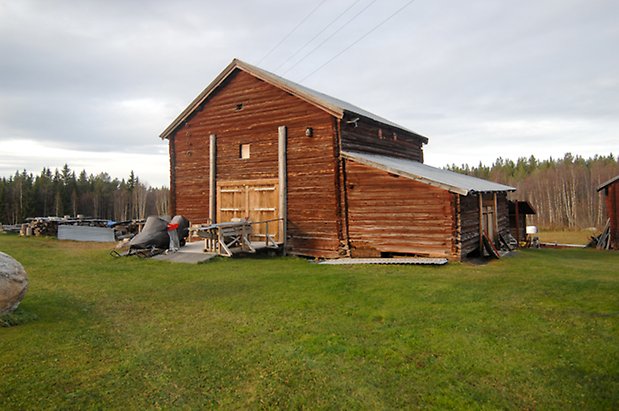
(94, 83)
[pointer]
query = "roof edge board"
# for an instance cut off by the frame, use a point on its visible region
(256, 72)
(493, 191)
(271, 79)
(607, 183)
(328, 104)
(450, 188)
(198, 100)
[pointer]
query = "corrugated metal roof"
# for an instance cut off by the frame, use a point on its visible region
(607, 183)
(330, 104)
(323, 99)
(448, 180)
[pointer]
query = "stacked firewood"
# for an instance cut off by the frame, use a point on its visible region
(42, 227)
(48, 226)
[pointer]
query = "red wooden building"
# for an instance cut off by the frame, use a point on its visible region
(611, 194)
(345, 182)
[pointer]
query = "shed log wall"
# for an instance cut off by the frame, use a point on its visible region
(502, 213)
(469, 224)
(469, 218)
(369, 136)
(312, 228)
(391, 214)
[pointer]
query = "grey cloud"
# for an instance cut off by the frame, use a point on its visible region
(109, 76)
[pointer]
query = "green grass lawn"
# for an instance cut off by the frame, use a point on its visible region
(536, 330)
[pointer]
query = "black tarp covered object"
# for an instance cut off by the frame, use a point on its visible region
(153, 235)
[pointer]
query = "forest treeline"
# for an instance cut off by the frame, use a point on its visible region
(62, 192)
(562, 191)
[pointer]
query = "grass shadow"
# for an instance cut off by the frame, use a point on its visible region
(17, 317)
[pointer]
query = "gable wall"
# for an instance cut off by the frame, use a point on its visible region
(469, 218)
(312, 194)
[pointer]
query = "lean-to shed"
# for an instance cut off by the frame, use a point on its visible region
(611, 194)
(518, 211)
(343, 181)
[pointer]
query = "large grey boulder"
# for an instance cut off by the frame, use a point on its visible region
(13, 283)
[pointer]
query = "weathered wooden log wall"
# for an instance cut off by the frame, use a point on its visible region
(392, 214)
(246, 110)
(469, 224)
(502, 213)
(369, 136)
(469, 219)
(189, 174)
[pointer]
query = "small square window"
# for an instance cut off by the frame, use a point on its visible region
(244, 151)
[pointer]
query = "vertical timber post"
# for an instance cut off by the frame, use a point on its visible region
(172, 195)
(517, 222)
(496, 217)
(481, 225)
(341, 191)
(612, 214)
(283, 185)
(458, 223)
(212, 180)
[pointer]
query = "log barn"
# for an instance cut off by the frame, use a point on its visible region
(340, 181)
(611, 195)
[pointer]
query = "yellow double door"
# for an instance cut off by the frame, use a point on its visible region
(256, 200)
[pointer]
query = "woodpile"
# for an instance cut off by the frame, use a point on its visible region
(40, 227)
(48, 226)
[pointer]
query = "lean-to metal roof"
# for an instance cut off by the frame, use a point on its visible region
(332, 105)
(606, 184)
(445, 179)
(524, 207)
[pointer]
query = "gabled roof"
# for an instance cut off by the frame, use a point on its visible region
(445, 179)
(332, 105)
(609, 182)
